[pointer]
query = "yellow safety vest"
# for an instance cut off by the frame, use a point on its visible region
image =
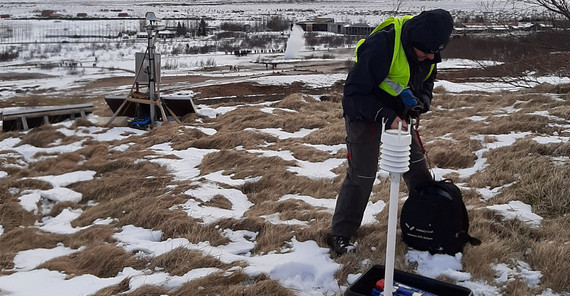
(399, 73)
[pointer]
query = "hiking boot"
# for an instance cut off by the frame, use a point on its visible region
(340, 245)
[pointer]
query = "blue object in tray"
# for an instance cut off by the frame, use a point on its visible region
(365, 285)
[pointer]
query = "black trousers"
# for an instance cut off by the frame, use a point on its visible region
(363, 144)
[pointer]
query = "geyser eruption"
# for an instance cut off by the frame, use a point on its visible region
(295, 42)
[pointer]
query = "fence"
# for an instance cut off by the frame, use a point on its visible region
(18, 31)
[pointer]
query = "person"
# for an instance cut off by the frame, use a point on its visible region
(391, 81)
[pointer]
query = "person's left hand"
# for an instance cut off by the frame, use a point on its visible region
(413, 106)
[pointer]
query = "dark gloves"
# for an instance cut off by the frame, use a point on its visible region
(412, 105)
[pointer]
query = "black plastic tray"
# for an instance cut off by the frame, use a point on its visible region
(365, 283)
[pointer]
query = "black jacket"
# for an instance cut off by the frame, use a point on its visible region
(363, 99)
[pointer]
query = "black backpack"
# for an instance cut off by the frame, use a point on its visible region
(434, 219)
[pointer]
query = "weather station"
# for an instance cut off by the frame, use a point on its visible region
(144, 103)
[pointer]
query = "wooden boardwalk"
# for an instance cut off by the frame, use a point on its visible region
(26, 118)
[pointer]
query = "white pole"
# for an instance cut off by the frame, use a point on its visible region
(391, 236)
(395, 159)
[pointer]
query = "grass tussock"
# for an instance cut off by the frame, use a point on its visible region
(24, 238)
(102, 261)
(241, 164)
(179, 224)
(228, 140)
(302, 152)
(12, 214)
(168, 133)
(332, 134)
(552, 255)
(295, 102)
(42, 136)
(274, 185)
(448, 154)
(232, 284)
(181, 260)
(245, 117)
(148, 290)
(60, 164)
(81, 122)
(117, 289)
(540, 182)
(235, 283)
(94, 235)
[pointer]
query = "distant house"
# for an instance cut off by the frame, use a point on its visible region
(81, 14)
(316, 25)
(166, 34)
(47, 13)
(123, 14)
(338, 28)
(358, 29)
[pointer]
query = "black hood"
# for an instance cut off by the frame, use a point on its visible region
(429, 31)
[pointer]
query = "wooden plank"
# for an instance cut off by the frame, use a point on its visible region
(41, 112)
(24, 123)
(48, 109)
(32, 117)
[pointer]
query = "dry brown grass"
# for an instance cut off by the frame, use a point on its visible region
(234, 284)
(229, 140)
(101, 260)
(552, 254)
(121, 287)
(24, 238)
(181, 260)
(148, 290)
(140, 193)
(539, 182)
(42, 136)
(448, 154)
(241, 163)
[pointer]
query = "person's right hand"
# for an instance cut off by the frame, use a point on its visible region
(396, 122)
